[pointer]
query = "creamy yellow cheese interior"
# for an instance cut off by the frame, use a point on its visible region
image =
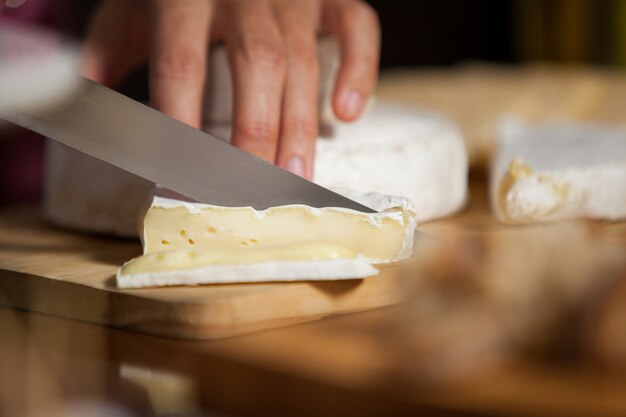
(182, 259)
(211, 228)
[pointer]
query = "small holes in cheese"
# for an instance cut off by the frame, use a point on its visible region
(254, 241)
(183, 233)
(165, 242)
(211, 229)
(191, 241)
(244, 243)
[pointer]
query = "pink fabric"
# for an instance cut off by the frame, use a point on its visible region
(43, 12)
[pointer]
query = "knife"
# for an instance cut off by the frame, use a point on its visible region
(116, 129)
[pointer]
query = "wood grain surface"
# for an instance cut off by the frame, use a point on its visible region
(72, 275)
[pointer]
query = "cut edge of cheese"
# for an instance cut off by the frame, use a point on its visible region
(556, 171)
(524, 194)
(177, 223)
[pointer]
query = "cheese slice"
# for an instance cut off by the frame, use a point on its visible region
(559, 171)
(300, 261)
(188, 243)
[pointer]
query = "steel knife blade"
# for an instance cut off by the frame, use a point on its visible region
(116, 129)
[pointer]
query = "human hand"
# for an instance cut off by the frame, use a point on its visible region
(272, 52)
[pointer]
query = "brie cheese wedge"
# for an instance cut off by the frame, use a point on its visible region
(559, 171)
(188, 243)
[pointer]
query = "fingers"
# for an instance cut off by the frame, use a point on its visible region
(357, 28)
(299, 123)
(109, 55)
(257, 61)
(96, 58)
(273, 57)
(178, 58)
(99, 46)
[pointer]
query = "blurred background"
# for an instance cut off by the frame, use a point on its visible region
(449, 32)
(452, 31)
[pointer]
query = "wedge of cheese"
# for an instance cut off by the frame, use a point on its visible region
(559, 171)
(192, 243)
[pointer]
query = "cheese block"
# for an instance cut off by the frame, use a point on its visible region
(556, 171)
(189, 243)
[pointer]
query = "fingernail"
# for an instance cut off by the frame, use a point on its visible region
(295, 165)
(352, 103)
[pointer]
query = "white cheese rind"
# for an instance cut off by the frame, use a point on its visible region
(324, 270)
(559, 171)
(398, 150)
(386, 206)
(84, 193)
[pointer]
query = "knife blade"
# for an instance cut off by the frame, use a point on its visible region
(116, 129)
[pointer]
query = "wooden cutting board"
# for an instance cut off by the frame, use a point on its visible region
(67, 274)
